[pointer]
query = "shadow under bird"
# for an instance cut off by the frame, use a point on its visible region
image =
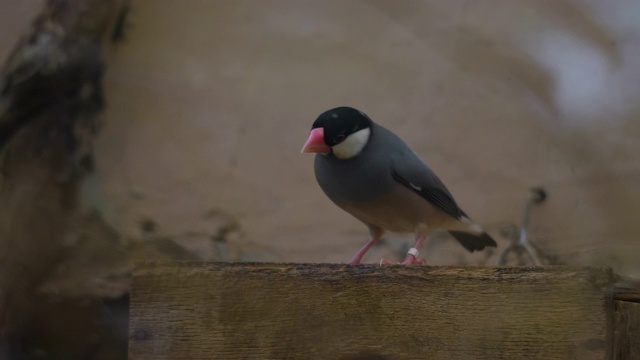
(369, 172)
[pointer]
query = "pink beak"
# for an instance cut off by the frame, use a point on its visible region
(315, 142)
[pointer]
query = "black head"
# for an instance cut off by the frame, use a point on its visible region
(340, 122)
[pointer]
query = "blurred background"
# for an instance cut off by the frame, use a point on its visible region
(187, 145)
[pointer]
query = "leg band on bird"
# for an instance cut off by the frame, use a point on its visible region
(413, 251)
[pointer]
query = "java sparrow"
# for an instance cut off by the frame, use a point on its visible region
(369, 172)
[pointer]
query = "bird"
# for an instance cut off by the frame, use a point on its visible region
(372, 174)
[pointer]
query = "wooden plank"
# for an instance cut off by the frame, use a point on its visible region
(626, 334)
(626, 289)
(330, 311)
(273, 311)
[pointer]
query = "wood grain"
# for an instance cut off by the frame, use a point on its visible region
(626, 334)
(325, 311)
(626, 289)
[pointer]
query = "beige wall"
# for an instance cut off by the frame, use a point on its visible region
(15, 18)
(209, 103)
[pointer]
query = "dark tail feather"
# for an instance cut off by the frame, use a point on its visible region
(473, 242)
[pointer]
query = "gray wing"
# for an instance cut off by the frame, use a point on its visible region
(411, 172)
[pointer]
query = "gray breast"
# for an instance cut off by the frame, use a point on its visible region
(352, 182)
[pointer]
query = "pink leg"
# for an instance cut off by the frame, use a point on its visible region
(412, 257)
(375, 236)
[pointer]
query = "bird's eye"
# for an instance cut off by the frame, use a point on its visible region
(340, 138)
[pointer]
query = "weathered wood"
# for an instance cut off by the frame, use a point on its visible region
(50, 95)
(58, 66)
(626, 289)
(323, 311)
(626, 334)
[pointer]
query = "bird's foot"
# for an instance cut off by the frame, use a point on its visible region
(411, 259)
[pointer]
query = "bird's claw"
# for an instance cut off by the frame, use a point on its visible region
(408, 261)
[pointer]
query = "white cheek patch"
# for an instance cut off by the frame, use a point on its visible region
(352, 145)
